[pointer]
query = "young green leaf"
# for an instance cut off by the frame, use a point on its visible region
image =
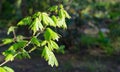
(50, 34)
(52, 45)
(62, 23)
(35, 41)
(8, 69)
(61, 13)
(43, 43)
(18, 45)
(66, 14)
(54, 18)
(11, 29)
(24, 54)
(37, 15)
(49, 56)
(53, 8)
(25, 21)
(52, 59)
(2, 69)
(47, 20)
(19, 38)
(7, 41)
(9, 57)
(36, 25)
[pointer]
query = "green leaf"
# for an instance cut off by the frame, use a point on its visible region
(7, 52)
(49, 56)
(8, 69)
(62, 23)
(25, 21)
(50, 34)
(52, 59)
(55, 20)
(36, 25)
(37, 15)
(18, 45)
(2, 69)
(9, 57)
(47, 20)
(11, 29)
(7, 41)
(53, 8)
(24, 54)
(19, 38)
(43, 43)
(61, 13)
(35, 41)
(66, 14)
(61, 49)
(52, 45)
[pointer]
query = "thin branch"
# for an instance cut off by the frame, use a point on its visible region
(8, 60)
(19, 52)
(15, 37)
(2, 45)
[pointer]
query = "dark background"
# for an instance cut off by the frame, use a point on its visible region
(92, 40)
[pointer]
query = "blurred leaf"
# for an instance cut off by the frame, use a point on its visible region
(66, 14)
(7, 41)
(61, 49)
(36, 25)
(47, 20)
(50, 34)
(43, 43)
(52, 45)
(2, 69)
(25, 21)
(49, 56)
(11, 29)
(8, 69)
(61, 13)
(18, 45)
(53, 8)
(35, 41)
(9, 57)
(55, 19)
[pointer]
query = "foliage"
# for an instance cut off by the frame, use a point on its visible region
(41, 24)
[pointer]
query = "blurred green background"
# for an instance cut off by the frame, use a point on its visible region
(91, 41)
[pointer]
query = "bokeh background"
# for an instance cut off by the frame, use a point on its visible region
(90, 44)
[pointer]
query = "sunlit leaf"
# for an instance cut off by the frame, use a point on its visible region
(61, 13)
(35, 41)
(50, 34)
(11, 29)
(2, 69)
(62, 23)
(36, 25)
(43, 43)
(25, 21)
(55, 20)
(49, 56)
(9, 57)
(18, 45)
(47, 20)
(52, 45)
(7, 41)
(8, 69)
(37, 15)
